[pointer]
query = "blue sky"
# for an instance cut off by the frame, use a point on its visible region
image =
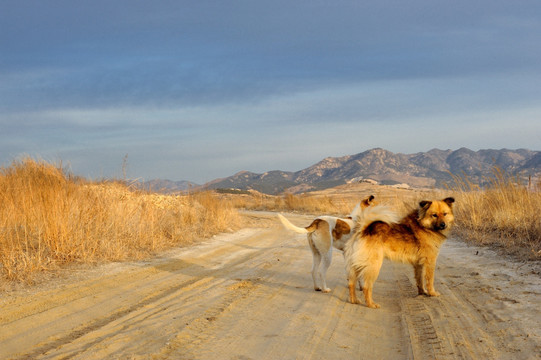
(198, 90)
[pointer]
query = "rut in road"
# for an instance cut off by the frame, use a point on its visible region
(249, 295)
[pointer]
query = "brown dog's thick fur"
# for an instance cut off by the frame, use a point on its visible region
(416, 239)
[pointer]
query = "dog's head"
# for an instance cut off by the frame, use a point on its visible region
(437, 215)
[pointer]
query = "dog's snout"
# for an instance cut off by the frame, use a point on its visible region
(442, 226)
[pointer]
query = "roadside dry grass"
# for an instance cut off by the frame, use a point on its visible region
(504, 214)
(49, 220)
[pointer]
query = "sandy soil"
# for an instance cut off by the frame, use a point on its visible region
(249, 295)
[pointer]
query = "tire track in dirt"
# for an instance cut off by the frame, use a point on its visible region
(154, 283)
(285, 318)
(243, 317)
(460, 324)
(424, 340)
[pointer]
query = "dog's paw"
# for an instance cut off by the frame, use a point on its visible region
(326, 290)
(373, 306)
(433, 293)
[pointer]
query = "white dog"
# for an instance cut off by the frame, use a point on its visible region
(324, 233)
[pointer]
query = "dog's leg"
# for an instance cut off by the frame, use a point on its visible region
(327, 258)
(429, 276)
(370, 274)
(360, 281)
(352, 280)
(322, 245)
(316, 257)
(315, 270)
(419, 276)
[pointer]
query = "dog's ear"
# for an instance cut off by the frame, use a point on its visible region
(424, 205)
(367, 201)
(449, 200)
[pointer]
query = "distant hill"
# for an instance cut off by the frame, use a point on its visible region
(424, 169)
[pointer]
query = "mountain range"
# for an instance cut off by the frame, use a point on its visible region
(434, 168)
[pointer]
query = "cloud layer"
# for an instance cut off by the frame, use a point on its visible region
(200, 90)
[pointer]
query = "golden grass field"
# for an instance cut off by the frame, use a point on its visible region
(50, 220)
(504, 214)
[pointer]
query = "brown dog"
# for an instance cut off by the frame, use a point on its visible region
(416, 239)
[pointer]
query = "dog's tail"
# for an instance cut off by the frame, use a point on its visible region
(376, 213)
(290, 226)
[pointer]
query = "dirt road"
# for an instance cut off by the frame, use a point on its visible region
(249, 295)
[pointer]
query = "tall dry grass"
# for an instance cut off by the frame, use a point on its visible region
(505, 213)
(49, 219)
